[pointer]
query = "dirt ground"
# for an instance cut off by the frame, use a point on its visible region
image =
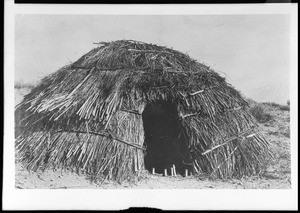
(276, 176)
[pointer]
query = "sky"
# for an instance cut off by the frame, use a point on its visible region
(251, 51)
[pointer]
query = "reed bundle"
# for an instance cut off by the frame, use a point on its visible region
(87, 115)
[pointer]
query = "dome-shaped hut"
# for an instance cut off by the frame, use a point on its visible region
(127, 106)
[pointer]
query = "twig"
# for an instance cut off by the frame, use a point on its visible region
(101, 43)
(131, 111)
(227, 141)
(187, 115)
(81, 83)
(201, 91)
(79, 67)
(155, 51)
(174, 170)
(186, 173)
(196, 113)
(103, 135)
(195, 93)
(113, 69)
(218, 167)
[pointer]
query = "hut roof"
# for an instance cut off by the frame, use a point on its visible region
(125, 76)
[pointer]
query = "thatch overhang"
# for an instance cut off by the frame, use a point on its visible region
(88, 115)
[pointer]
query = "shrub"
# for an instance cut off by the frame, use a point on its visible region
(250, 101)
(260, 114)
(272, 104)
(278, 106)
(284, 108)
(287, 133)
(22, 85)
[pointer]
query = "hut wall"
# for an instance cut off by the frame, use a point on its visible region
(128, 127)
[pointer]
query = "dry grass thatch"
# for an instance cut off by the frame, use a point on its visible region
(87, 115)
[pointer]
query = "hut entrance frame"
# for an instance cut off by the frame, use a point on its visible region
(164, 138)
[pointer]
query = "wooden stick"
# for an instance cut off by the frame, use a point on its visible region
(195, 93)
(153, 170)
(187, 115)
(49, 139)
(154, 51)
(103, 135)
(131, 111)
(174, 170)
(196, 113)
(218, 167)
(227, 141)
(102, 43)
(79, 85)
(79, 67)
(135, 162)
(250, 136)
(186, 173)
(166, 174)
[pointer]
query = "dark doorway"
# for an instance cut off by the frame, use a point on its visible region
(163, 138)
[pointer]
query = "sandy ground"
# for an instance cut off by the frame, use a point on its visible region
(65, 180)
(276, 176)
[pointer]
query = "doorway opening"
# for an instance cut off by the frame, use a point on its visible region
(164, 138)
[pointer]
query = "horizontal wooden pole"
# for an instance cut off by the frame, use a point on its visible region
(195, 93)
(229, 140)
(131, 111)
(104, 135)
(151, 51)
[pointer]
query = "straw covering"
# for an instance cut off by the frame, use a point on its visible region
(87, 115)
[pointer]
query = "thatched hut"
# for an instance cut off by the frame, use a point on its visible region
(127, 106)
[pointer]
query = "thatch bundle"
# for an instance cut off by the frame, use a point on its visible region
(87, 116)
